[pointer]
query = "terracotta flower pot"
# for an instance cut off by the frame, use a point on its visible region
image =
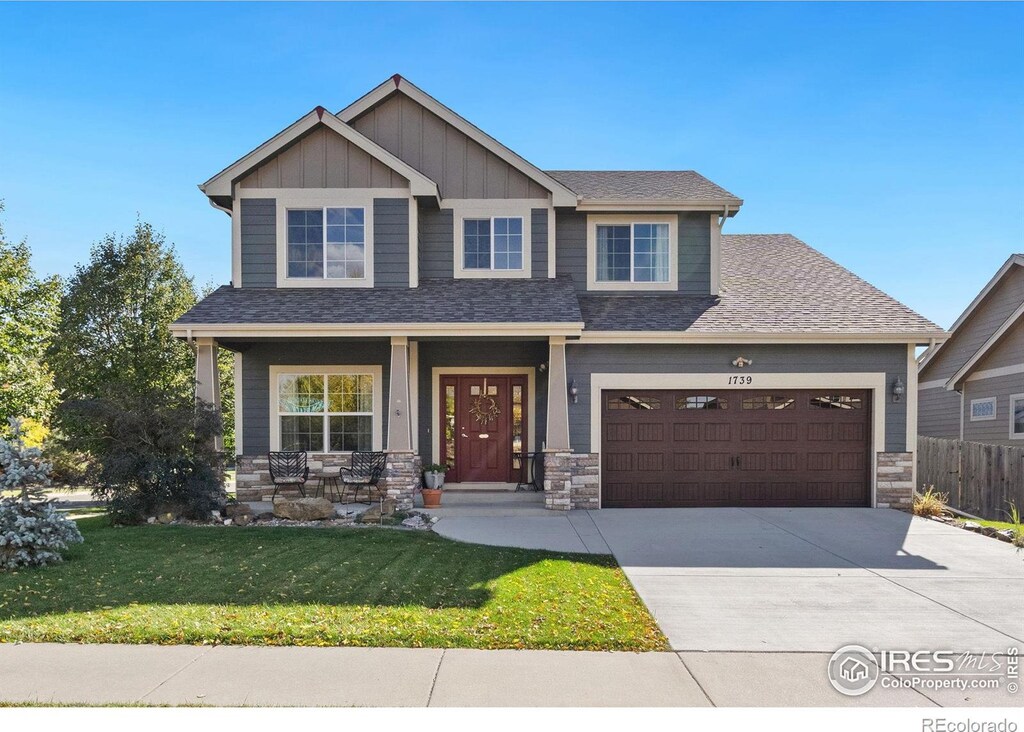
(431, 497)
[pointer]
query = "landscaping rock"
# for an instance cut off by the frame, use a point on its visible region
(166, 518)
(385, 508)
(243, 519)
(304, 509)
(972, 526)
(265, 516)
(234, 510)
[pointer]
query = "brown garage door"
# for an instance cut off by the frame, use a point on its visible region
(735, 448)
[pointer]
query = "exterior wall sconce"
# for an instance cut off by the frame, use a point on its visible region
(897, 390)
(543, 367)
(574, 393)
(739, 362)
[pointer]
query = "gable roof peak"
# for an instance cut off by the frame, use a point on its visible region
(561, 195)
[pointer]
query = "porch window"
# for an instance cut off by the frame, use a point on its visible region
(327, 243)
(320, 412)
(633, 253)
(494, 243)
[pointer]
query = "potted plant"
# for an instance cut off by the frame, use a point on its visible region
(433, 482)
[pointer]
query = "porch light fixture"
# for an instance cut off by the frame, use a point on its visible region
(739, 362)
(573, 391)
(897, 390)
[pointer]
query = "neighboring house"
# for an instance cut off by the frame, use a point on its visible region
(402, 281)
(972, 385)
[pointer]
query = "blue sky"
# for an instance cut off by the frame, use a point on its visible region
(891, 137)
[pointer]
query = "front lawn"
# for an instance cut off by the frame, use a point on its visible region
(295, 586)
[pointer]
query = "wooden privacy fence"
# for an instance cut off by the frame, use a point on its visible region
(980, 479)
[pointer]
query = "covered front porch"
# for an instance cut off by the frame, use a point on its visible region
(492, 410)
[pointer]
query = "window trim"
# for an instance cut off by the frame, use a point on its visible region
(493, 233)
(376, 427)
(1015, 398)
(593, 221)
(327, 198)
(995, 410)
(485, 208)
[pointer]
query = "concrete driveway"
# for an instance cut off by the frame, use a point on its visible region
(813, 580)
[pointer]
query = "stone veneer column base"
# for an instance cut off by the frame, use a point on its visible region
(402, 478)
(571, 480)
(400, 481)
(895, 481)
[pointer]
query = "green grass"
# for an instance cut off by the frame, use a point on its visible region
(297, 586)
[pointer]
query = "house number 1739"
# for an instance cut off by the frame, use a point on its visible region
(741, 379)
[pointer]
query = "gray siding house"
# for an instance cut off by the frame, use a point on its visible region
(972, 385)
(403, 282)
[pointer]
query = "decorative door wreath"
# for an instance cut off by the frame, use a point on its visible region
(485, 408)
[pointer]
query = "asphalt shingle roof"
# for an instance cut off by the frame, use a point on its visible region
(647, 185)
(434, 301)
(771, 283)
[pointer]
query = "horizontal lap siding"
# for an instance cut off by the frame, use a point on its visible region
(259, 242)
(1008, 352)
(434, 354)
(695, 253)
(995, 431)
(938, 413)
(257, 358)
(539, 237)
(437, 243)
(571, 246)
(584, 360)
(391, 242)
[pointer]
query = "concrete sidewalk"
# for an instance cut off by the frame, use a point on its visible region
(290, 676)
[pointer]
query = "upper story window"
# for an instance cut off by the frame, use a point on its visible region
(983, 409)
(632, 252)
(1017, 416)
(494, 243)
(492, 238)
(327, 243)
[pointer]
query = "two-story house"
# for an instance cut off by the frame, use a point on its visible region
(402, 281)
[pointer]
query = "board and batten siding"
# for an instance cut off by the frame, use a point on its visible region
(257, 358)
(461, 167)
(582, 360)
(978, 328)
(694, 247)
(992, 431)
(323, 159)
(258, 242)
(391, 242)
(480, 354)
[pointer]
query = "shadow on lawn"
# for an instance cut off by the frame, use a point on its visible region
(177, 565)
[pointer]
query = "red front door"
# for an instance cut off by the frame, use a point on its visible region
(481, 433)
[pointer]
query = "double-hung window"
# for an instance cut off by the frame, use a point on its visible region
(327, 243)
(636, 252)
(494, 243)
(318, 411)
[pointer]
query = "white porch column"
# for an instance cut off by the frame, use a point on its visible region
(399, 403)
(558, 397)
(207, 379)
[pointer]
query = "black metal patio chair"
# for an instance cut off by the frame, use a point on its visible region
(365, 473)
(288, 469)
